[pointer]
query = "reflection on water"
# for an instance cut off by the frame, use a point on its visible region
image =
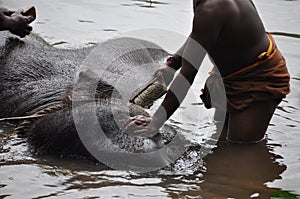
(270, 168)
(149, 3)
(236, 171)
(233, 171)
(242, 170)
(144, 3)
(286, 34)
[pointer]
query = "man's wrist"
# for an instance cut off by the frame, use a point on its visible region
(159, 117)
(174, 62)
(156, 123)
(5, 22)
(10, 23)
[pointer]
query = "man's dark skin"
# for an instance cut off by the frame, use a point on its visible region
(15, 22)
(232, 33)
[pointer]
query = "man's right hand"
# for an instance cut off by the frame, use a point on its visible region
(18, 24)
(166, 73)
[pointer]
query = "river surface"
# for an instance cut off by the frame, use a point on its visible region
(269, 169)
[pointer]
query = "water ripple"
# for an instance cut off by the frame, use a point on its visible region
(293, 35)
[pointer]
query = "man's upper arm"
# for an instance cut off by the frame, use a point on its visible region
(207, 24)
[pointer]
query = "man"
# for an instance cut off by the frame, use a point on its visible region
(252, 69)
(15, 22)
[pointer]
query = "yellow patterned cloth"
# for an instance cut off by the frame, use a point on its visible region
(266, 79)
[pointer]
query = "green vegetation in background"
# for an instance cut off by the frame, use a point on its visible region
(282, 194)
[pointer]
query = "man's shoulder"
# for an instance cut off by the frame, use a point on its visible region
(217, 7)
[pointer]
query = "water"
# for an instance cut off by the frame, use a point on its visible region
(270, 168)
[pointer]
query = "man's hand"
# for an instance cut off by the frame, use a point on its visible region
(18, 24)
(6, 12)
(166, 73)
(141, 126)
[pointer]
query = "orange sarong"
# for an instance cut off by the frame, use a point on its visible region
(266, 79)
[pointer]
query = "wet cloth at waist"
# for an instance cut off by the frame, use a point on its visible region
(266, 79)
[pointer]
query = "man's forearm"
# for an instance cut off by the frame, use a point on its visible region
(175, 61)
(193, 55)
(174, 96)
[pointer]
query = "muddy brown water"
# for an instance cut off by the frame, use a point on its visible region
(269, 169)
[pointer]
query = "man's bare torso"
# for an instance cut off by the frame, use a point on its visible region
(238, 36)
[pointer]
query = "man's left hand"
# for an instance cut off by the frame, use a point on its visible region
(18, 24)
(141, 126)
(6, 11)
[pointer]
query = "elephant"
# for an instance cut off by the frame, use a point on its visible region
(37, 79)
